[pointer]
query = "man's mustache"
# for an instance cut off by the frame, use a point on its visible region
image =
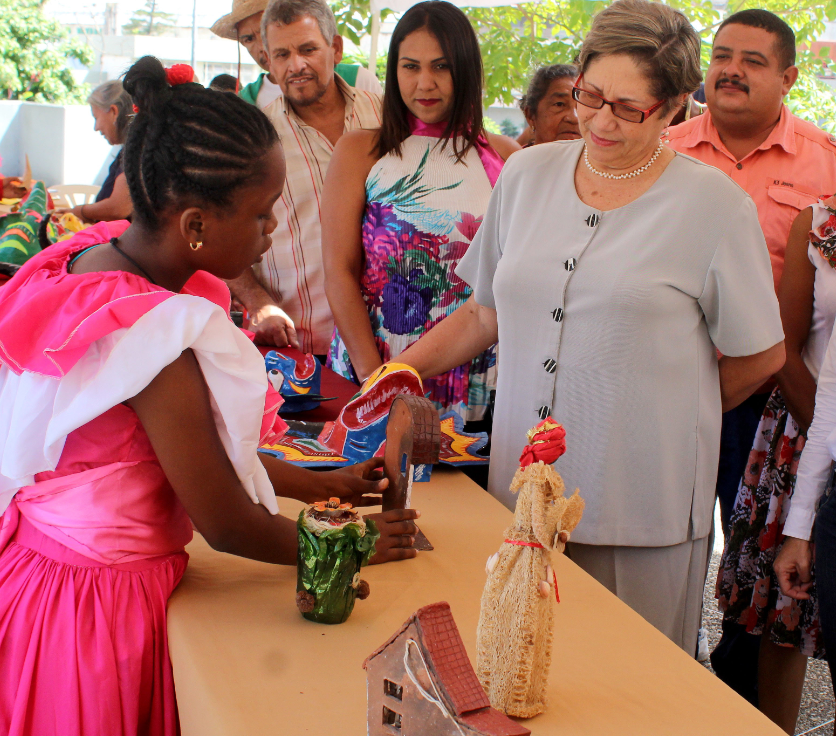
(732, 83)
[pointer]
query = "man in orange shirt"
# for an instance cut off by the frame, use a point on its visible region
(784, 164)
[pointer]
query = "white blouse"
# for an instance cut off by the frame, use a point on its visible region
(820, 358)
(610, 322)
(824, 300)
(818, 454)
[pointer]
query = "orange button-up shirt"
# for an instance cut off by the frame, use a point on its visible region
(794, 166)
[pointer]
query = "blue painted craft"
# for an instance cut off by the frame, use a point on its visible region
(298, 381)
(359, 433)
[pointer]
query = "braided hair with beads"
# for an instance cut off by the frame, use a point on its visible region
(188, 145)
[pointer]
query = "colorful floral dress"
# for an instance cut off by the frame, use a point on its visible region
(747, 588)
(423, 210)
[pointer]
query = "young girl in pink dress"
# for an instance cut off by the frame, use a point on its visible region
(130, 408)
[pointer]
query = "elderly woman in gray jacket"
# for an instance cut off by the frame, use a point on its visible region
(610, 308)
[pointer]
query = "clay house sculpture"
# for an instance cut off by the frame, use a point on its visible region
(421, 682)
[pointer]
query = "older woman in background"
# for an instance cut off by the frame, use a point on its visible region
(610, 308)
(112, 108)
(548, 105)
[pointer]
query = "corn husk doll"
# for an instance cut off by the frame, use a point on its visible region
(514, 638)
(334, 542)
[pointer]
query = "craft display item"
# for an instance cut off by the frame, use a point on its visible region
(360, 430)
(335, 541)
(302, 445)
(298, 381)
(413, 436)
(26, 231)
(514, 636)
(421, 682)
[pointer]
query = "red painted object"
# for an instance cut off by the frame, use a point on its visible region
(332, 385)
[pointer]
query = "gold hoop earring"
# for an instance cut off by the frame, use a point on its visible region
(196, 246)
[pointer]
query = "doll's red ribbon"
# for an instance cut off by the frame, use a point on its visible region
(536, 545)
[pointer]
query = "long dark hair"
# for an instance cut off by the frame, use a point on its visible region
(188, 142)
(458, 41)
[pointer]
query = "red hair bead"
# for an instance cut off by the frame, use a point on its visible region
(179, 74)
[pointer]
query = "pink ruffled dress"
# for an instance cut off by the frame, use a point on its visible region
(92, 535)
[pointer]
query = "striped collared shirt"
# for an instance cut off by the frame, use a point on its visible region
(292, 270)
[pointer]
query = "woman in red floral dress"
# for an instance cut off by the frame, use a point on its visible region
(747, 590)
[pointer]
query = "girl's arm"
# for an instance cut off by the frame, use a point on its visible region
(359, 485)
(176, 414)
(344, 199)
(795, 297)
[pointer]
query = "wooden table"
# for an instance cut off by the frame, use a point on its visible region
(245, 661)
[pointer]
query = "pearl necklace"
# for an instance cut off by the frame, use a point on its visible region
(638, 171)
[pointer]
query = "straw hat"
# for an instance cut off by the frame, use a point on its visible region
(225, 26)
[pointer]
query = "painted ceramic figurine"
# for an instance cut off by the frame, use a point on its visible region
(298, 381)
(334, 542)
(514, 637)
(413, 436)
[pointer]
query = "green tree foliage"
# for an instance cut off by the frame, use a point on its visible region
(149, 21)
(506, 127)
(515, 40)
(363, 60)
(354, 19)
(34, 53)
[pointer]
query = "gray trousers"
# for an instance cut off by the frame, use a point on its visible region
(664, 585)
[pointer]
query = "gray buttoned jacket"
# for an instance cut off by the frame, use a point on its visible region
(611, 322)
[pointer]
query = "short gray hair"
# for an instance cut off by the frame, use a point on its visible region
(285, 12)
(113, 93)
(659, 38)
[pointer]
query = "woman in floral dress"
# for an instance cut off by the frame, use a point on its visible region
(404, 202)
(746, 586)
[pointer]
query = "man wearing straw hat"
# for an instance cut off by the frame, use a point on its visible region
(284, 294)
(243, 24)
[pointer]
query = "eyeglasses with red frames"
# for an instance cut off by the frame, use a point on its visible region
(619, 109)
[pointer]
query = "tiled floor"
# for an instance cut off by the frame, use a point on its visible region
(817, 704)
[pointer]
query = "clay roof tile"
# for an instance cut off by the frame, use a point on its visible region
(445, 647)
(491, 721)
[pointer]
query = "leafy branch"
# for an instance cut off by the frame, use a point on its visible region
(35, 52)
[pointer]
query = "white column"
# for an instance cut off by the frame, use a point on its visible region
(375, 37)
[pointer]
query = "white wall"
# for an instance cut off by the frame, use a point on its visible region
(10, 152)
(59, 140)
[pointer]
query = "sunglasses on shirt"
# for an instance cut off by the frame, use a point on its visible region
(619, 109)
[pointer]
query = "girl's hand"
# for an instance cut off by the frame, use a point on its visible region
(359, 485)
(397, 535)
(792, 566)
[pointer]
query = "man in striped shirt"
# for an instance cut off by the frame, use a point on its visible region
(285, 293)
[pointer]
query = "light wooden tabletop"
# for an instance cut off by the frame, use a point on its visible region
(246, 662)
